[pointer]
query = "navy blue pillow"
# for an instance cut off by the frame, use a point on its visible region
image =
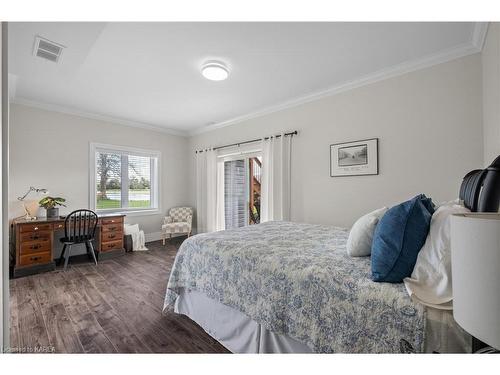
(398, 237)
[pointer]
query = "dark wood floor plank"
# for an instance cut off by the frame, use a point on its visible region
(33, 334)
(116, 327)
(134, 274)
(14, 319)
(139, 275)
(61, 333)
(114, 306)
(87, 327)
(133, 303)
(51, 291)
(182, 333)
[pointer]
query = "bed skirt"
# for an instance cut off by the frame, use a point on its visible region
(233, 329)
(240, 334)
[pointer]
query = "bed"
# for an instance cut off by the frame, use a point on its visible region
(282, 287)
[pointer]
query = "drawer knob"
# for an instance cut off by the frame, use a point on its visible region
(35, 228)
(35, 258)
(35, 246)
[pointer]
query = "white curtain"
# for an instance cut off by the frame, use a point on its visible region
(220, 220)
(276, 173)
(209, 189)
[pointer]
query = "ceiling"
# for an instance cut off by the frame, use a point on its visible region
(148, 74)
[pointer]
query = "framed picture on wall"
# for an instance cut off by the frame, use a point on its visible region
(359, 158)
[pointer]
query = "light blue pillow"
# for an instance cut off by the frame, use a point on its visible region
(398, 238)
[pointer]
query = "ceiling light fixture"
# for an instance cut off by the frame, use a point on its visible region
(215, 71)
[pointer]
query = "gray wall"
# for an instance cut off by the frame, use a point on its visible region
(491, 93)
(51, 150)
(428, 123)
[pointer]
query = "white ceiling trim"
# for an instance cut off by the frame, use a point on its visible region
(479, 34)
(475, 45)
(95, 116)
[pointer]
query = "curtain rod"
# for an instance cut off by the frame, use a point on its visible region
(251, 141)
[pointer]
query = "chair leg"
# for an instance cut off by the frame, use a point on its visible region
(163, 238)
(59, 261)
(91, 245)
(189, 233)
(88, 248)
(66, 259)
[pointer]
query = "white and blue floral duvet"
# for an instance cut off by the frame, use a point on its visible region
(297, 280)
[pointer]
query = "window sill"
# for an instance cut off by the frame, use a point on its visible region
(154, 211)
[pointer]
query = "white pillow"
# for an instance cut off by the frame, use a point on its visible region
(430, 281)
(455, 202)
(359, 243)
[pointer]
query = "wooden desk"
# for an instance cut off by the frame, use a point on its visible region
(34, 242)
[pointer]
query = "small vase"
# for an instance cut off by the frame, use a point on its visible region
(52, 212)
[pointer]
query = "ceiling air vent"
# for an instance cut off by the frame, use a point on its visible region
(48, 50)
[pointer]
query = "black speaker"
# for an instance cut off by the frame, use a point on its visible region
(490, 195)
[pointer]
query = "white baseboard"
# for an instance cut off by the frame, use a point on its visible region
(156, 236)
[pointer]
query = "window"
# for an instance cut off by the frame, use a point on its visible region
(242, 179)
(124, 179)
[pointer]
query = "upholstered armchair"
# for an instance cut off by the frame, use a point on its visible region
(178, 221)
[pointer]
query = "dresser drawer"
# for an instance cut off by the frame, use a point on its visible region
(112, 236)
(58, 226)
(112, 228)
(35, 236)
(113, 245)
(34, 247)
(32, 259)
(112, 220)
(34, 227)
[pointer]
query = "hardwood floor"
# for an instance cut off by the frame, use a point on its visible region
(112, 307)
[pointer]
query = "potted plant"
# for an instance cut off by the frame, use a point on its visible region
(50, 204)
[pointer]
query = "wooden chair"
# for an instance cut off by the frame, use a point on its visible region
(79, 227)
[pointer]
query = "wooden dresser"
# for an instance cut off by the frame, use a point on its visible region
(35, 243)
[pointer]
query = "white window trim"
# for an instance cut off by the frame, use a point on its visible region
(135, 151)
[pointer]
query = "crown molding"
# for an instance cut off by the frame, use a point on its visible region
(479, 35)
(475, 45)
(95, 116)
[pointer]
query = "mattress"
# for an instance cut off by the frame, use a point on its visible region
(296, 281)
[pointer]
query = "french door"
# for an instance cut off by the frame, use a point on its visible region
(242, 179)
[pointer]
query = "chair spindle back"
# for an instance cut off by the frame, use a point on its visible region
(80, 225)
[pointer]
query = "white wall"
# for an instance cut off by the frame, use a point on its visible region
(491, 93)
(51, 150)
(428, 123)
